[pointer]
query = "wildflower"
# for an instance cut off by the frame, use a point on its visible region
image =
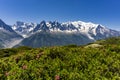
(24, 67)
(7, 74)
(57, 77)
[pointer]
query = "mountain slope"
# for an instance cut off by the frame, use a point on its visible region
(52, 39)
(7, 35)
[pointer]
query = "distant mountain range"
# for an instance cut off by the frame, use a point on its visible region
(52, 33)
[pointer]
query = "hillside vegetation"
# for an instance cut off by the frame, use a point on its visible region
(101, 62)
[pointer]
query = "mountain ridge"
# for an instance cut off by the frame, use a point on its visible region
(87, 28)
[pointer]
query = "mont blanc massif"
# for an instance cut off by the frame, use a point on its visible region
(52, 33)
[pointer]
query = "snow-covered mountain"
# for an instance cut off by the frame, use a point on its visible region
(93, 31)
(23, 29)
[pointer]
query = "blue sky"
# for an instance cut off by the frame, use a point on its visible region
(105, 12)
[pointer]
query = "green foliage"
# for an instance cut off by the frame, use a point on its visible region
(64, 62)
